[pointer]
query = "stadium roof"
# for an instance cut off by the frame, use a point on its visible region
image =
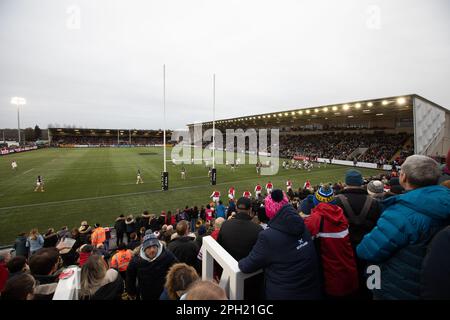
(398, 106)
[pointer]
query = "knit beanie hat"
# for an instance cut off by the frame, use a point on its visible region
(324, 194)
(375, 186)
(353, 178)
(274, 202)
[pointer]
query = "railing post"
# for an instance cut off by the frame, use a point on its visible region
(207, 264)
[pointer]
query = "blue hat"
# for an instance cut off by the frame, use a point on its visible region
(150, 240)
(324, 194)
(353, 178)
(307, 204)
(201, 230)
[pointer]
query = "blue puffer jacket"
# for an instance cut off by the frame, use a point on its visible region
(398, 243)
(287, 254)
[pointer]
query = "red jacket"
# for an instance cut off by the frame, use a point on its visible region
(338, 259)
(4, 274)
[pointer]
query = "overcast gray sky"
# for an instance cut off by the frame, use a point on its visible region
(98, 63)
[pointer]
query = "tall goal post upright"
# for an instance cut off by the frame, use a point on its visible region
(214, 170)
(164, 174)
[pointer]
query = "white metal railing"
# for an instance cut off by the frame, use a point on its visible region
(232, 279)
(68, 289)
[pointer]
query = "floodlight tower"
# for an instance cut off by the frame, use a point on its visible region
(18, 101)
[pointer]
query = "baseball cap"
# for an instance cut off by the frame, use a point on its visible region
(244, 203)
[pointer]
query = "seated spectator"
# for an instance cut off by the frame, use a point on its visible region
(50, 238)
(17, 265)
(178, 278)
(399, 241)
(149, 269)
(262, 217)
(204, 290)
(97, 282)
(44, 265)
(20, 287)
(328, 225)
(286, 253)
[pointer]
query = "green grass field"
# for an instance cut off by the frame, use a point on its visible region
(97, 185)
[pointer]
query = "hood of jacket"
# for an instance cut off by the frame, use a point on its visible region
(432, 201)
(331, 213)
(287, 220)
(144, 256)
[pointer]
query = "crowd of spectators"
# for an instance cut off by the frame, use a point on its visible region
(104, 141)
(380, 146)
(313, 243)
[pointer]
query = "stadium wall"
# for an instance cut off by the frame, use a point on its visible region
(431, 128)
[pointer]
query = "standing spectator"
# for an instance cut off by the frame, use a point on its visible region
(435, 273)
(20, 287)
(328, 225)
(220, 210)
(231, 208)
(238, 236)
(130, 226)
(398, 243)
(170, 219)
(394, 188)
(194, 218)
(217, 226)
(178, 279)
(5, 256)
(144, 221)
(286, 253)
(97, 282)
(17, 265)
(35, 241)
(154, 224)
(184, 247)
(209, 213)
(375, 189)
(50, 238)
(20, 245)
(121, 260)
(121, 228)
(134, 241)
(362, 213)
(98, 236)
(148, 269)
(203, 213)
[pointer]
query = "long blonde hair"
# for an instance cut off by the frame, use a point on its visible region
(92, 274)
(34, 234)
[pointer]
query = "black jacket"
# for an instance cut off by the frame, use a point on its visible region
(20, 245)
(357, 198)
(239, 235)
(120, 226)
(185, 249)
(110, 291)
(150, 276)
(287, 254)
(435, 269)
